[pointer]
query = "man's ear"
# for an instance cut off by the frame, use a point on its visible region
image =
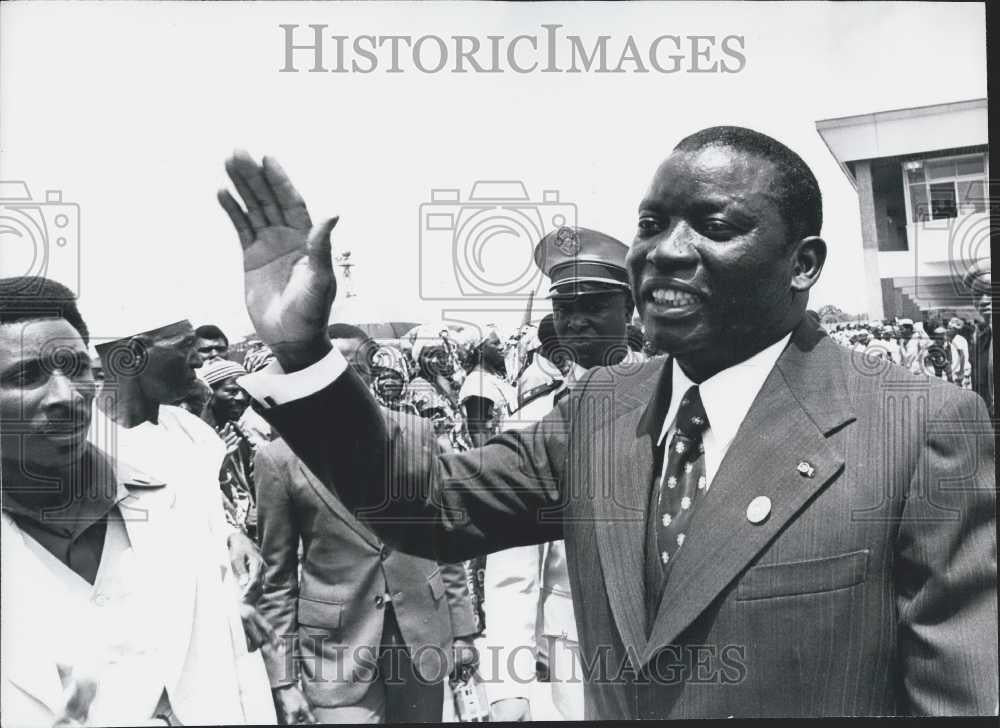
(809, 255)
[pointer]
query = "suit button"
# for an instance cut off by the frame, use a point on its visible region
(379, 601)
(384, 553)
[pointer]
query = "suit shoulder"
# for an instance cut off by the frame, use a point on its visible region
(866, 375)
(626, 374)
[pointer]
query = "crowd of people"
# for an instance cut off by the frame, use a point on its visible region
(331, 528)
(954, 349)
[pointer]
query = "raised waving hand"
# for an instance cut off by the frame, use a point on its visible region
(287, 265)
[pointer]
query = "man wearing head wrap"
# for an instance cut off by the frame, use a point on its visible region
(223, 411)
(486, 397)
(435, 390)
(390, 375)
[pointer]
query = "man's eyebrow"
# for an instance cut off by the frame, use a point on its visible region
(650, 204)
(17, 365)
(22, 365)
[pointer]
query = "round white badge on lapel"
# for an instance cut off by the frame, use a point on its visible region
(759, 509)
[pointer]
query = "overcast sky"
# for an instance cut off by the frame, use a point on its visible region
(130, 110)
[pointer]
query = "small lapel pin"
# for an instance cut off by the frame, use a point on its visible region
(806, 469)
(759, 509)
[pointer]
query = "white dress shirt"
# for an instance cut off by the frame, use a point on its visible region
(727, 397)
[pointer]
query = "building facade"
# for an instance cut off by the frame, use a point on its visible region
(922, 176)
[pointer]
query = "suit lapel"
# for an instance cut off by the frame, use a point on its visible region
(337, 508)
(801, 402)
(621, 514)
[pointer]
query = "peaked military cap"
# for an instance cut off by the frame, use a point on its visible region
(579, 261)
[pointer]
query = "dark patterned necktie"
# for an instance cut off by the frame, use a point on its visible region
(683, 479)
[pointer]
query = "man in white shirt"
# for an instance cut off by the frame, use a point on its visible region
(913, 343)
(144, 372)
(118, 605)
(794, 548)
(961, 366)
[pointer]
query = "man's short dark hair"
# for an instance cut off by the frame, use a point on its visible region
(799, 198)
(210, 331)
(28, 298)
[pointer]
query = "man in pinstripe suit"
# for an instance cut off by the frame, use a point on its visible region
(834, 549)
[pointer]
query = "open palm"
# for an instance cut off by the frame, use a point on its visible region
(288, 271)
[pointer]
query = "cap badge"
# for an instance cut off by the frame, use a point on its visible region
(567, 241)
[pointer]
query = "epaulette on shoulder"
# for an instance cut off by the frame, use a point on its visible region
(534, 393)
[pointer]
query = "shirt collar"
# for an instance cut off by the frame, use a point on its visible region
(102, 485)
(727, 396)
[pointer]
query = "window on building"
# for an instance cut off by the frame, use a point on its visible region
(945, 187)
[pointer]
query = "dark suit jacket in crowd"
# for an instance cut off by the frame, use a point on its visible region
(330, 618)
(869, 589)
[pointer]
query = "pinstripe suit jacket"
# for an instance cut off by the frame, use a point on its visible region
(870, 588)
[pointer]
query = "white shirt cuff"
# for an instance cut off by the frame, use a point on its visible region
(271, 386)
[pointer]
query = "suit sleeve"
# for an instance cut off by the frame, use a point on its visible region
(946, 568)
(456, 585)
(279, 535)
(385, 467)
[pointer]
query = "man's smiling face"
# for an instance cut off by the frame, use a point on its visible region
(46, 389)
(712, 260)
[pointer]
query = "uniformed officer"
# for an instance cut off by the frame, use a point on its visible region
(527, 588)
